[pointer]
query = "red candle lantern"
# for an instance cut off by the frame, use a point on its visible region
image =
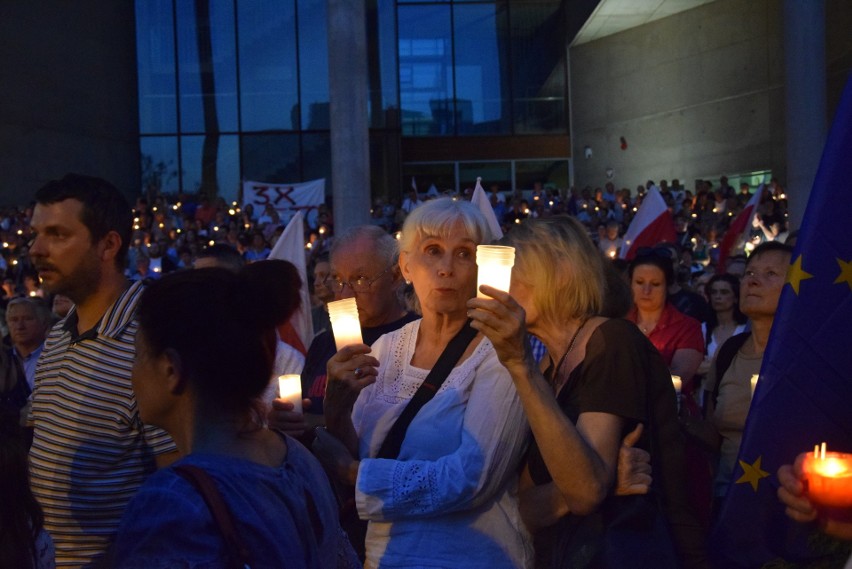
(828, 477)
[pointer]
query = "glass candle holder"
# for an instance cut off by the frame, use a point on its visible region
(344, 322)
(494, 264)
(290, 389)
(828, 477)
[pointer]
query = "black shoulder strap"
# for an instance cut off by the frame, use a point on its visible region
(427, 390)
(725, 357)
(238, 553)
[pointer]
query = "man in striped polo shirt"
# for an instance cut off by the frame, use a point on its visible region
(90, 450)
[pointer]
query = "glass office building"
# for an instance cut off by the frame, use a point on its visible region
(234, 90)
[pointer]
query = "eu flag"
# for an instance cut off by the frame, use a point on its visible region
(804, 395)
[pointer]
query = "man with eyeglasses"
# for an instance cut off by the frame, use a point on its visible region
(364, 265)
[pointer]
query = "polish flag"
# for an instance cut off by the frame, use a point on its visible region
(653, 224)
(299, 331)
(481, 201)
(737, 233)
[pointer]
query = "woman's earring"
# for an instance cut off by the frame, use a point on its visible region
(408, 282)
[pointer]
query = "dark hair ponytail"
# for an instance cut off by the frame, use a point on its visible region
(222, 326)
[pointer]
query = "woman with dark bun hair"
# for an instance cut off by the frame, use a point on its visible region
(204, 355)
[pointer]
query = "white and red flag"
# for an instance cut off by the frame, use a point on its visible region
(653, 224)
(291, 247)
(736, 235)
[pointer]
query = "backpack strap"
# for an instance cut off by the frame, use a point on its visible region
(725, 357)
(238, 553)
(427, 390)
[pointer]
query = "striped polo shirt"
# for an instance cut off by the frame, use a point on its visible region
(90, 451)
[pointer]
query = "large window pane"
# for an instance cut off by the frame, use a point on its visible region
(499, 173)
(538, 67)
(208, 77)
(272, 158)
(155, 57)
(548, 172)
(442, 176)
(269, 87)
(425, 70)
(227, 165)
(381, 62)
(313, 62)
(316, 158)
(482, 86)
(160, 172)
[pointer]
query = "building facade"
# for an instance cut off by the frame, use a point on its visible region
(233, 90)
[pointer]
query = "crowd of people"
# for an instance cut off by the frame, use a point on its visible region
(535, 427)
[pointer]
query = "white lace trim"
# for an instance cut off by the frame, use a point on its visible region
(401, 380)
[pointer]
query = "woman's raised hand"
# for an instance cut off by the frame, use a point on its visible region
(502, 320)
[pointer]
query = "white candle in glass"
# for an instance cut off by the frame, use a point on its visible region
(494, 267)
(344, 322)
(290, 389)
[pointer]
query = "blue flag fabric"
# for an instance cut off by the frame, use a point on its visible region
(804, 395)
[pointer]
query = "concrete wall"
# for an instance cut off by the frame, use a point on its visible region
(695, 95)
(68, 99)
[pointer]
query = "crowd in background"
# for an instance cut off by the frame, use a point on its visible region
(171, 231)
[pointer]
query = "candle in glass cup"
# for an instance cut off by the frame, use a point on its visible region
(290, 389)
(829, 478)
(344, 322)
(494, 267)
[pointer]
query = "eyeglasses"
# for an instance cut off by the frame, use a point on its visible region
(361, 284)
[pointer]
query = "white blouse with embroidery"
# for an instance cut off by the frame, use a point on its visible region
(450, 500)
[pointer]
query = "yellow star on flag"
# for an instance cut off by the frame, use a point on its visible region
(796, 274)
(845, 275)
(752, 473)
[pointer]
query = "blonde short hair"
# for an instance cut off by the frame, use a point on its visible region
(557, 258)
(437, 218)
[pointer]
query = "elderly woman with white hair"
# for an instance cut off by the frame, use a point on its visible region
(440, 492)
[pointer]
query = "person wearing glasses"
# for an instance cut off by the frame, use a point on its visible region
(363, 264)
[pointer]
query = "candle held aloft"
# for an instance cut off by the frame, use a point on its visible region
(495, 264)
(344, 322)
(290, 389)
(829, 478)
